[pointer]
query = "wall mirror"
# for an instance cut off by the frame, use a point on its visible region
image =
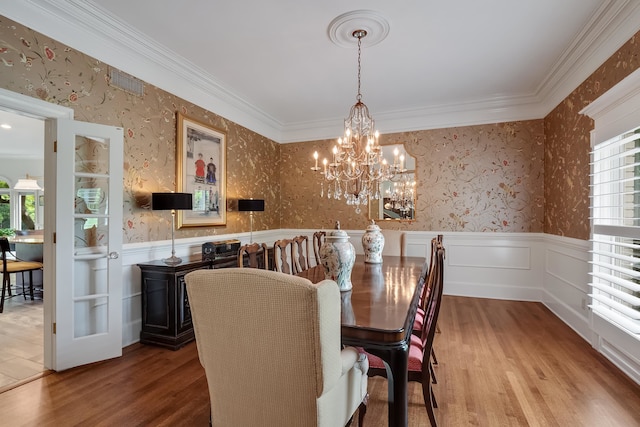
(398, 196)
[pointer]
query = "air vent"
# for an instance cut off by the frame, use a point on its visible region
(126, 82)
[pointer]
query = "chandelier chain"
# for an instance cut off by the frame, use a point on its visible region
(359, 35)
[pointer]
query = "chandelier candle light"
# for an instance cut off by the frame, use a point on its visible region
(357, 167)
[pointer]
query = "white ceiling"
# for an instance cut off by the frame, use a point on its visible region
(25, 138)
(271, 66)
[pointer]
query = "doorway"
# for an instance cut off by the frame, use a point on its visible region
(22, 321)
(25, 107)
(82, 304)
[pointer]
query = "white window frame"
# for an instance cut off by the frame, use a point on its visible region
(615, 113)
(10, 192)
(17, 207)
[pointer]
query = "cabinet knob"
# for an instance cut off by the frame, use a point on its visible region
(113, 255)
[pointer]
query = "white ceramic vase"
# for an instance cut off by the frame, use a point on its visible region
(337, 256)
(373, 243)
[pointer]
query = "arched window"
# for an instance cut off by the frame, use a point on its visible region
(18, 208)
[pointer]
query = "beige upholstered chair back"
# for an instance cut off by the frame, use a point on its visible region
(269, 343)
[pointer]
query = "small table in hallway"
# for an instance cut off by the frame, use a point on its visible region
(378, 315)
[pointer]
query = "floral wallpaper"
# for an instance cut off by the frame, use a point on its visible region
(527, 176)
(567, 146)
(37, 66)
(474, 178)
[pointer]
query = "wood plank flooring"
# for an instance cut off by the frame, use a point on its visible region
(502, 363)
(21, 340)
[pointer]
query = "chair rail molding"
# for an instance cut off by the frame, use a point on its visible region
(538, 267)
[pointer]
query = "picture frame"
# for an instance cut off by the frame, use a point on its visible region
(201, 169)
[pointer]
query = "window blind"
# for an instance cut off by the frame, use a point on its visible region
(615, 242)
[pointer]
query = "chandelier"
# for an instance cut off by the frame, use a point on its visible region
(357, 167)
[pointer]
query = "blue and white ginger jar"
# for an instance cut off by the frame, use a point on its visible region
(373, 243)
(337, 256)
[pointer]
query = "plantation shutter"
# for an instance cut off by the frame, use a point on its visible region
(615, 243)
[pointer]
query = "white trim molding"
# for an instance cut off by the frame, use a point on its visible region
(91, 29)
(552, 270)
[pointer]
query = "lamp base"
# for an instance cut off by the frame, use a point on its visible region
(172, 260)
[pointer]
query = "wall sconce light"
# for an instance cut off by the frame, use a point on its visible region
(172, 202)
(251, 206)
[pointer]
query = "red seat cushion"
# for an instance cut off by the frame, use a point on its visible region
(415, 356)
(418, 322)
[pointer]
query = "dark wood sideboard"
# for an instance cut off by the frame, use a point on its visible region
(166, 316)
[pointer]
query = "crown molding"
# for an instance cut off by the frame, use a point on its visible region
(86, 27)
(615, 22)
(496, 110)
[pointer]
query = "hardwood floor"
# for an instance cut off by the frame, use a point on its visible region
(502, 363)
(21, 340)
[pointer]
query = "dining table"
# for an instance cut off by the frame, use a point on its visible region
(378, 315)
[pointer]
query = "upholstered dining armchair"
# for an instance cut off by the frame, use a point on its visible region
(269, 343)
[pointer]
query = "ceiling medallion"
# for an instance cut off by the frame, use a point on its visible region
(341, 29)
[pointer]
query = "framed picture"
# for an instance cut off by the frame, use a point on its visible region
(201, 169)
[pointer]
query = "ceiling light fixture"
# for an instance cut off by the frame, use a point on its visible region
(28, 184)
(357, 167)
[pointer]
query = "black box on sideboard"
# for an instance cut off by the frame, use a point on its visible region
(220, 249)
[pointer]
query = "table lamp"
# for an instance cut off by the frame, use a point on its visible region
(251, 206)
(172, 202)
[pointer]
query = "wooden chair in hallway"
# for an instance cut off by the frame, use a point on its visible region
(15, 265)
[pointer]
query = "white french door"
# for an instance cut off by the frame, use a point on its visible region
(87, 308)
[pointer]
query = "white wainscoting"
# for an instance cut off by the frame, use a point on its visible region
(191, 248)
(514, 266)
(566, 278)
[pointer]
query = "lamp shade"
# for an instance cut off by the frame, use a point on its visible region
(27, 184)
(169, 201)
(250, 205)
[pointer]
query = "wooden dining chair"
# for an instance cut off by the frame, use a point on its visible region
(318, 241)
(436, 243)
(254, 255)
(283, 256)
(300, 253)
(419, 360)
(15, 265)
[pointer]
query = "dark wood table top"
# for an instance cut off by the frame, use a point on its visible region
(378, 310)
